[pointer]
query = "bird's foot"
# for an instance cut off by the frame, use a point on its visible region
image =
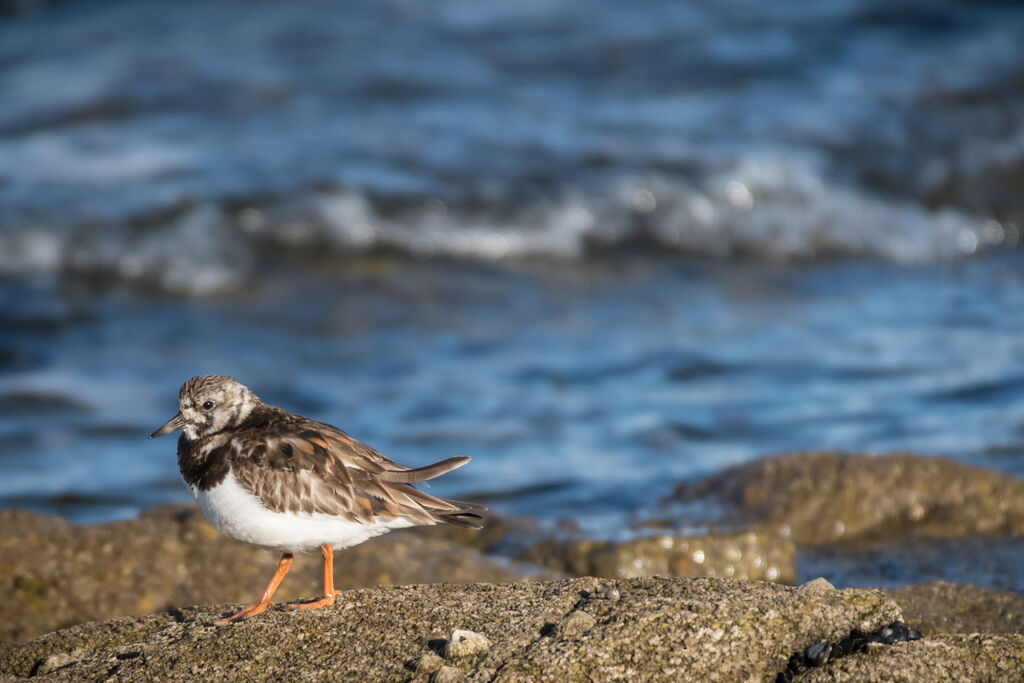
(250, 611)
(325, 601)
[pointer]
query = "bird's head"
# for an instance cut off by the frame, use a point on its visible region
(209, 404)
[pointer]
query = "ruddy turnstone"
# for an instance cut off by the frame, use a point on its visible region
(292, 484)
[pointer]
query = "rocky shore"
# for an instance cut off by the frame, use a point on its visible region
(132, 581)
(56, 575)
(821, 498)
(568, 630)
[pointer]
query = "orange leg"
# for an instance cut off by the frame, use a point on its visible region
(282, 568)
(329, 593)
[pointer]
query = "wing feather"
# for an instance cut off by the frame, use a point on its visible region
(308, 466)
(407, 476)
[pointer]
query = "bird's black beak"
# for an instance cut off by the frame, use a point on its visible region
(175, 424)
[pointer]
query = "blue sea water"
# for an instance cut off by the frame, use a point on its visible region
(599, 247)
(580, 392)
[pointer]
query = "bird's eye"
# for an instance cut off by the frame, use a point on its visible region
(207, 405)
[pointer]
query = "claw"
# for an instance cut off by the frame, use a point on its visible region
(250, 611)
(325, 601)
(329, 596)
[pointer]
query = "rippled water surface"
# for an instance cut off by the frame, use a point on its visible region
(490, 129)
(599, 247)
(988, 561)
(579, 391)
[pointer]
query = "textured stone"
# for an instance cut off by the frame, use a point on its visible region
(660, 629)
(504, 535)
(53, 574)
(820, 498)
(974, 657)
(427, 664)
(576, 624)
(941, 607)
(447, 674)
(818, 585)
(465, 643)
(745, 555)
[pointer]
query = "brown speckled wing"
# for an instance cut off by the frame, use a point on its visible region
(304, 466)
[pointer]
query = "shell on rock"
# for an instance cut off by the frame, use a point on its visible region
(818, 585)
(463, 643)
(818, 654)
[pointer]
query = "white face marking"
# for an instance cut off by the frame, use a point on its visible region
(211, 404)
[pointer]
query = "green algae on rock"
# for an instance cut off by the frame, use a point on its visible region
(820, 498)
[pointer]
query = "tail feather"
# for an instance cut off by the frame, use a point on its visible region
(466, 505)
(470, 520)
(422, 473)
(437, 510)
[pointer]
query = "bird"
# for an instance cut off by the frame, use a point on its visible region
(292, 484)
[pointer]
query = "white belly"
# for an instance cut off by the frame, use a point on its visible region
(235, 512)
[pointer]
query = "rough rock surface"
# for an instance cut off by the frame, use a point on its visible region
(747, 555)
(974, 657)
(506, 536)
(817, 498)
(659, 629)
(53, 574)
(941, 607)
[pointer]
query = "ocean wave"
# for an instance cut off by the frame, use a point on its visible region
(762, 209)
(171, 144)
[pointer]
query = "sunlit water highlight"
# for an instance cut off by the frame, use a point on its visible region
(579, 392)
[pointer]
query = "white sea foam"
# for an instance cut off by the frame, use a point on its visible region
(170, 153)
(765, 209)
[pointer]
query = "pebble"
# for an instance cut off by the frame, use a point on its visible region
(898, 632)
(463, 643)
(448, 674)
(818, 585)
(576, 624)
(818, 653)
(428, 663)
(823, 651)
(54, 662)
